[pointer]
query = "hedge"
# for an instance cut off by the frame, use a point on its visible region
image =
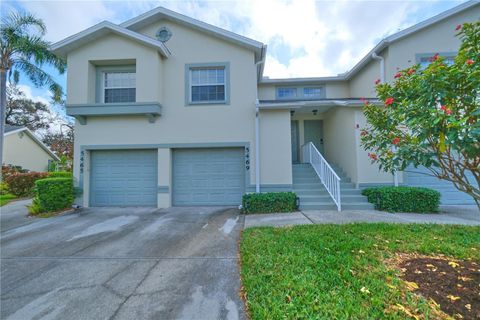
(60, 174)
(269, 202)
(403, 199)
(52, 194)
(23, 184)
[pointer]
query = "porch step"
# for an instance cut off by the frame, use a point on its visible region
(321, 191)
(318, 206)
(308, 179)
(314, 196)
(357, 206)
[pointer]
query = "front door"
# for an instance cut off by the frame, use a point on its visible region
(313, 131)
(294, 128)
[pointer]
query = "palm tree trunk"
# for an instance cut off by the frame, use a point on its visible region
(3, 107)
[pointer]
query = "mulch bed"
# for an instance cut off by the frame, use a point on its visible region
(453, 284)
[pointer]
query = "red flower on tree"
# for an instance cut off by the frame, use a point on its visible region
(470, 62)
(411, 71)
(377, 81)
(396, 140)
(446, 110)
(459, 26)
(388, 101)
(398, 75)
(372, 156)
(434, 58)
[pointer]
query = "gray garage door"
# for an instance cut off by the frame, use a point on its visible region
(450, 194)
(208, 176)
(123, 178)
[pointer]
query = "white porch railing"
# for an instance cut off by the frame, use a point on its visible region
(327, 175)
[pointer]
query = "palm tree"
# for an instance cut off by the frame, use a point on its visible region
(23, 49)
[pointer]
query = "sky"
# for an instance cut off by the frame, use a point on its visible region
(305, 38)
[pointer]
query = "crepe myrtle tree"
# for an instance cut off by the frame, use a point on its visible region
(23, 49)
(430, 117)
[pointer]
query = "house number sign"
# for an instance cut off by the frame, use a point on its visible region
(247, 159)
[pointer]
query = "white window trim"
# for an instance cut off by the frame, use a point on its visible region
(446, 55)
(224, 84)
(188, 83)
(106, 88)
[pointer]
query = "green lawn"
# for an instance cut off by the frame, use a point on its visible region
(6, 198)
(337, 271)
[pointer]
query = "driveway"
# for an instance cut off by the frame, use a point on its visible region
(121, 263)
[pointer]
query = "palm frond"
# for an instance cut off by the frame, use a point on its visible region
(39, 77)
(36, 49)
(21, 21)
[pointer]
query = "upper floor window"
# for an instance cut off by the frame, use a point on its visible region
(119, 87)
(286, 93)
(207, 83)
(312, 92)
(301, 92)
(425, 59)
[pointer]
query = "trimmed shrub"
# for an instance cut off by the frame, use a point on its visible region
(60, 174)
(403, 199)
(269, 202)
(3, 188)
(23, 184)
(52, 194)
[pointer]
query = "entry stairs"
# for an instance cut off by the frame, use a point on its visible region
(314, 196)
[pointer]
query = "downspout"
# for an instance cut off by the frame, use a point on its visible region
(257, 146)
(382, 79)
(257, 126)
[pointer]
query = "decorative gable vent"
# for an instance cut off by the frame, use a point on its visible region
(163, 34)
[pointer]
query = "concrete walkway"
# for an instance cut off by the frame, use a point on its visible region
(464, 215)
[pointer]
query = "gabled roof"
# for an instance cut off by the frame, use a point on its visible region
(407, 32)
(8, 128)
(15, 129)
(66, 45)
(381, 46)
(162, 13)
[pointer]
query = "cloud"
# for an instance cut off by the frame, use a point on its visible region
(305, 37)
(27, 90)
(64, 18)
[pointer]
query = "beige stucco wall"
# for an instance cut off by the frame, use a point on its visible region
(164, 176)
(203, 124)
(275, 148)
(21, 150)
(111, 50)
(438, 38)
(339, 130)
(367, 172)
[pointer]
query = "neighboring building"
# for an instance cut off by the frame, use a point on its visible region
(23, 148)
(166, 112)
